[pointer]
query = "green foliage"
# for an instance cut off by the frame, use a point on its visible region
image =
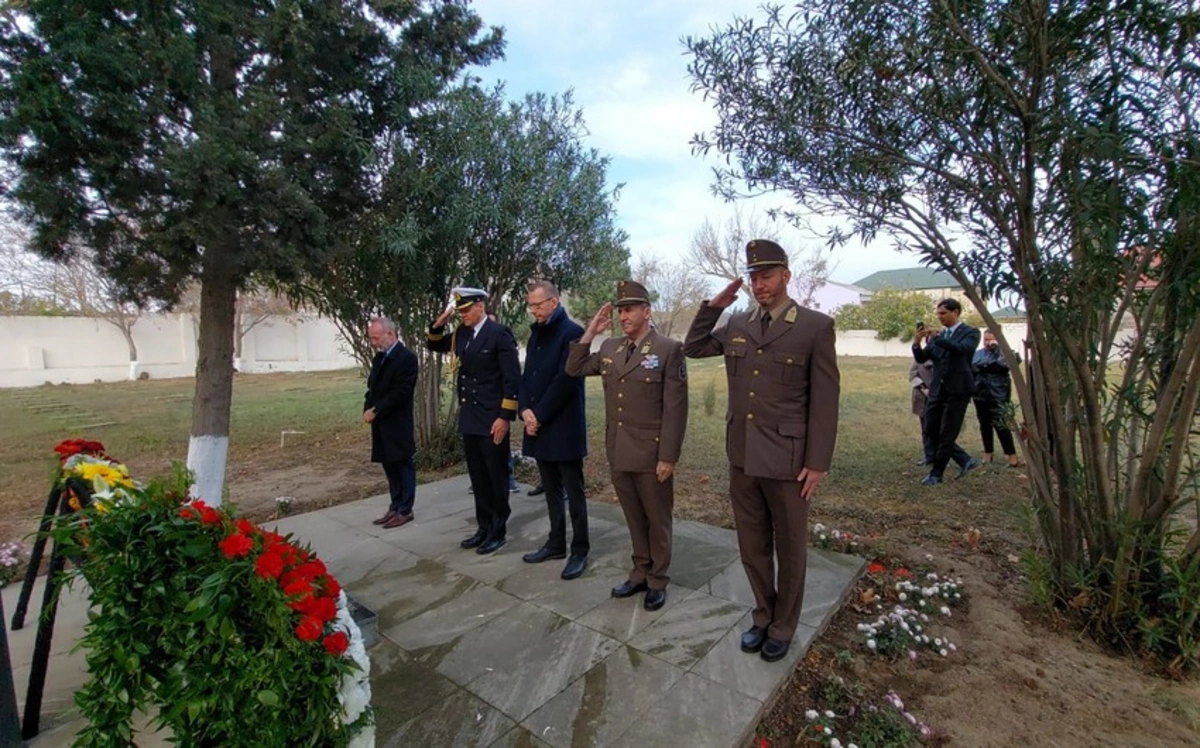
(892, 313)
(486, 193)
(1038, 152)
(178, 625)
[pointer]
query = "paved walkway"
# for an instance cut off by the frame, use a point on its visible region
(490, 651)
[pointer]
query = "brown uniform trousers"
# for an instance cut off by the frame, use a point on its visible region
(645, 401)
(782, 417)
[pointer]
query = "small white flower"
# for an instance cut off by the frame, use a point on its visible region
(945, 610)
(943, 652)
(928, 556)
(823, 538)
(835, 743)
(937, 642)
(903, 597)
(952, 647)
(829, 714)
(810, 715)
(871, 644)
(818, 528)
(828, 730)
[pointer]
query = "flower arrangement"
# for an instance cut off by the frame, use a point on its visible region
(238, 635)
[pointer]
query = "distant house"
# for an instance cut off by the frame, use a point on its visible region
(832, 295)
(935, 284)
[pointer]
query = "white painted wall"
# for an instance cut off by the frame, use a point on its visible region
(37, 350)
(864, 343)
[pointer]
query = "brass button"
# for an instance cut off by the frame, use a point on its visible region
(789, 361)
(756, 372)
(750, 416)
(647, 379)
(656, 439)
(751, 394)
(619, 410)
(622, 380)
(620, 394)
(620, 424)
(759, 351)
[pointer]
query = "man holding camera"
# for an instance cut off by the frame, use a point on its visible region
(951, 350)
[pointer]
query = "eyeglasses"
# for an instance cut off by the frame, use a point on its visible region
(537, 304)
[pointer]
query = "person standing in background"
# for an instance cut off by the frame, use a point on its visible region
(951, 350)
(993, 392)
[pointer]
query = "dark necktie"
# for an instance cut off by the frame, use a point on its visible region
(766, 323)
(629, 351)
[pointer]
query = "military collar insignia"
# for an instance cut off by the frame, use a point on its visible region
(646, 348)
(790, 317)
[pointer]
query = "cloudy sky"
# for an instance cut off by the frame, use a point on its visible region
(628, 70)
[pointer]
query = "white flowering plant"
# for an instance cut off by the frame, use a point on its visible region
(10, 561)
(833, 539)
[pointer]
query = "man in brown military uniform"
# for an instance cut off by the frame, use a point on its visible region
(781, 425)
(645, 401)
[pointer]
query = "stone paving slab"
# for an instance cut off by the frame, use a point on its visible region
(491, 651)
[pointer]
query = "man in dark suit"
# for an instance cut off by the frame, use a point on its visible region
(951, 350)
(646, 406)
(551, 406)
(781, 426)
(388, 407)
(488, 374)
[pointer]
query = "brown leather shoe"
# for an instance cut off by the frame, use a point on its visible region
(384, 519)
(398, 520)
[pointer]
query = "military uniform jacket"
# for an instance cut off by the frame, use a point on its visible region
(489, 373)
(783, 388)
(645, 398)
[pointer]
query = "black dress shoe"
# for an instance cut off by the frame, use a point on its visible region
(753, 639)
(491, 546)
(542, 554)
(537, 490)
(774, 649)
(931, 480)
(654, 599)
(574, 568)
(472, 541)
(628, 588)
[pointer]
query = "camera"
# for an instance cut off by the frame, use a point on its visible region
(920, 324)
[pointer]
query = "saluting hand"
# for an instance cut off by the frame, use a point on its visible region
(809, 479)
(444, 317)
(602, 320)
(727, 296)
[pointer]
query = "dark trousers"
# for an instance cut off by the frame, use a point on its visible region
(988, 412)
(402, 484)
(772, 524)
(487, 464)
(944, 419)
(929, 442)
(563, 482)
(648, 505)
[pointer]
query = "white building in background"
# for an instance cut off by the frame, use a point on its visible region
(832, 295)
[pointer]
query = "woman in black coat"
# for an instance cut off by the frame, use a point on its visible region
(993, 391)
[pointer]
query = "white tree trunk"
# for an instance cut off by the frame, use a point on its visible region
(206, 460)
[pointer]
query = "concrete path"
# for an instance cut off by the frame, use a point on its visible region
(490, 651)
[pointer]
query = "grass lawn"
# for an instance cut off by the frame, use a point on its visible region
(146, 424)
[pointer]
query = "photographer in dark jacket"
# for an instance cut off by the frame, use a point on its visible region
(993, 391)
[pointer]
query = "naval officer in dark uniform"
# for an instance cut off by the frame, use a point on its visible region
(646, 405)
(489, 372)
(781, 365)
